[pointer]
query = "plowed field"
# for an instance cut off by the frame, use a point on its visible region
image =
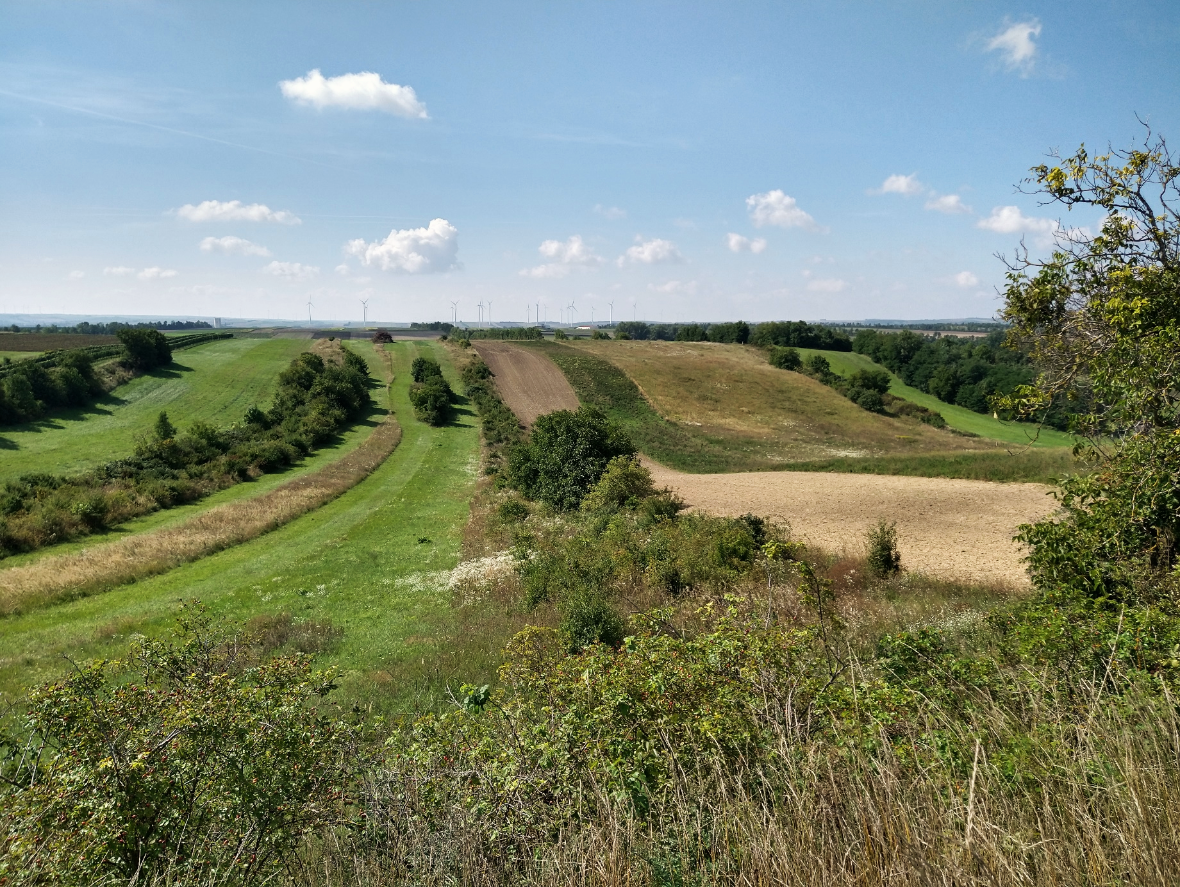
(530, 383)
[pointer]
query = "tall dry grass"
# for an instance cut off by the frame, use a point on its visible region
(61, 577)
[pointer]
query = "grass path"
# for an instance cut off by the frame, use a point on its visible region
(215, 383)
(357, 561)
(845, 363)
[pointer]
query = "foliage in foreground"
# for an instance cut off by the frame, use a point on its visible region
(313, 400)
(188, 760)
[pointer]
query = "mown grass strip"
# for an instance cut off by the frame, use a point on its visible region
(56, 578)
(1033, 465)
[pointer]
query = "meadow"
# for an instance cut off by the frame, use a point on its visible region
(709, 408)
(368, 563)
(215, 382)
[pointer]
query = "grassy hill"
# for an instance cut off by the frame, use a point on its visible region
(845, 363)
(720, 408)
(367, 563)
(215, 382)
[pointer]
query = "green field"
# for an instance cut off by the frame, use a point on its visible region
(18, 355)
(357, 562)
(845, 363)
(215, 383)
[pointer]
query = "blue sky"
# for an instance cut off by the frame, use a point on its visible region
(681, 160)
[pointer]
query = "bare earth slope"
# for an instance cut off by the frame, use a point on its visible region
(954, 528)
(530, 383)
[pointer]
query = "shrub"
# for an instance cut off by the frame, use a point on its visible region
(588, 618)
(883, 559)
(184, 757)
(565, 456)
(868, 400)
(146, 349)
(381, 337)
(432, 400)
(512, 510)
(623, 484)
(784, 358)
(599, 334)
(560, 335)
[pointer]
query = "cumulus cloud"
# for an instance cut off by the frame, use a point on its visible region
(76, 275)
(675, 287)
(231, 245)
(950, 204)
(610, 212)
(118, 271)
(826, 285)
(428, 250)
(361, 92)
(651, 252)
(156, 273)
(1010, 220)
(564, 255)
(966, 279)
(906, 186)
(235, 211)
(777, 208)
(291, 270)
(1017, 46)
(739, 244)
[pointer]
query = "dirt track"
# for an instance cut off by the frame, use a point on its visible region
(530, 383)
(954, 528)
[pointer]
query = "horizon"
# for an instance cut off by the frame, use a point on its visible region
(736, 162)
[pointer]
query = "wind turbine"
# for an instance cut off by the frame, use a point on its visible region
(479, 305)
(612, 313)
(489, 312)
(309, 313)
(572, 312)
(364, 310)
(454, 312)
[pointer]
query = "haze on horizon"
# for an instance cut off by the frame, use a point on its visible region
(713, 161)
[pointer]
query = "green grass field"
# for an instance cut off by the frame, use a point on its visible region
(215, 382)
(845, 363)
(359, 561)
(18, 355)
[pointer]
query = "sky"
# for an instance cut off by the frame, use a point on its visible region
(408, 161)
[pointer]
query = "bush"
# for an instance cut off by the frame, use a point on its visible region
(430, 394)
(599, 334)
(784, 358)
(623, 484)
(512, 510)
(185, 757)
(560, 335)
(622, 337)
(565, 456)
(146, 349)
(883, 559)
(868, 400)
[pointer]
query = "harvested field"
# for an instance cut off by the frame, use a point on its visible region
(51, 341)
(530, 383)
(958, 529)
(146, 554)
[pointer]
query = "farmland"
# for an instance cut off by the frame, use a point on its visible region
(36, 342)
(215, 383)
(368, 562)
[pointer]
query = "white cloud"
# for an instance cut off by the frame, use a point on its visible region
(950, 204)
(651, 252)
(739, 244)
(76, 275)
(906, 186)
(1010, 220)
(235, 211)
(155, 273)
(610, 212)
(291, 270)
(233, 246)
(966, 279)
(675, 287)
(777, 208)
(566, 255)
(118, 271)
(432, 249)
(826, 285)
(363, 92)
(1016, 46)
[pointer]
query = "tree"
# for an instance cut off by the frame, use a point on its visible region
(146, 349)
(1101, 320)
(566, 455)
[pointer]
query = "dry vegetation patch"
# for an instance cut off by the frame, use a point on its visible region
(731, 392)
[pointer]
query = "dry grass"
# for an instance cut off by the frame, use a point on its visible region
(56, 578)
(731, 393)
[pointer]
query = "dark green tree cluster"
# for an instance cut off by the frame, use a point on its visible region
(30, 388)
(797, 334)
(868, 389)
(501, 429)
(146, 349)
(437, 326)
(967, 372)
(800, 334)
(430, 394)
(314, 399)
(508, 333)
(565, 455)
(112, 328)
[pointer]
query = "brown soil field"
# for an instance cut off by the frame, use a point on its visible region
(50, 341)
(530, 383)
(731, 392)
(960, 529)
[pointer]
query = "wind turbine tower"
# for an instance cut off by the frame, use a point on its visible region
(309, 313)
(364, 311)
